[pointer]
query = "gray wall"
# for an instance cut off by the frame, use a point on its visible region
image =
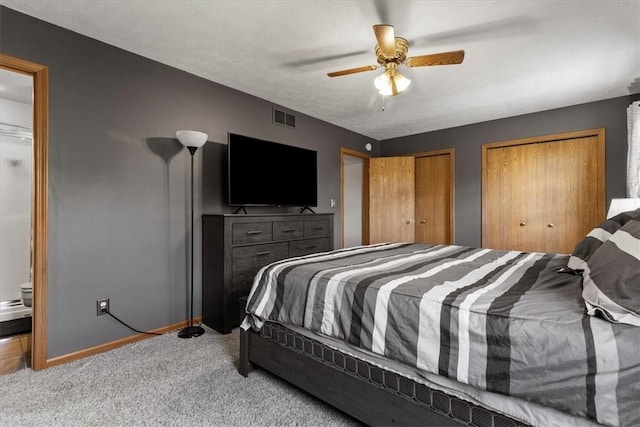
(118, 221)
(467, 141)
(119, 180)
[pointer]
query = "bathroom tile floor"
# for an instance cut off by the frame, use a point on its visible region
(15, 353)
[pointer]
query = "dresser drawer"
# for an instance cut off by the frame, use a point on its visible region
(242, 278)
(316, 228)
(287, 230)
(256, 232)
(309, 246)
(259, 255)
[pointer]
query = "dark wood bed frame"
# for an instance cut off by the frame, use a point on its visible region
(370, 394)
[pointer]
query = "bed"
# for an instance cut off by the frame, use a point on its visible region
(422, 334)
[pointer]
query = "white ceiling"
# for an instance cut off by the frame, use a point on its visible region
(521, 56)
(16, 87)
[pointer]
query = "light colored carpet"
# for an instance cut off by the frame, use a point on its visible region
(163, 380)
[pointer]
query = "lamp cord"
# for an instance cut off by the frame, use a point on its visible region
(132, 328)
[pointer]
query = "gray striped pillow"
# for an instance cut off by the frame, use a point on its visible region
(596, 237)
(611, 278)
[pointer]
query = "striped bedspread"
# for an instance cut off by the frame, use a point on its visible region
(502, 321)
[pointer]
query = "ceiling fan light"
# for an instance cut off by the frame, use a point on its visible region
(401, 82)
(385, 83)
(387, 91)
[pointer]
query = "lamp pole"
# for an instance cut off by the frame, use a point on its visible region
(192, 140)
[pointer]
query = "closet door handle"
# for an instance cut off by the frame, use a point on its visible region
(551, 225)
(423, 221)
(410, 221)
(523, 224)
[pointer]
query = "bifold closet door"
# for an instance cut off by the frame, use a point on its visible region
(543, 194)
(511, 198)
(567, 193)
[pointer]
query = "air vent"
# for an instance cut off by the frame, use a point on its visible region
(284, 119)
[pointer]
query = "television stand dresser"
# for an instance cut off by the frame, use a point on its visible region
(236, 246)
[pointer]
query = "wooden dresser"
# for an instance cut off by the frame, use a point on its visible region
(236, 246)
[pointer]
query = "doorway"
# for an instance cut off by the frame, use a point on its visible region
(38, 200)
(354, 199)
(16, 153)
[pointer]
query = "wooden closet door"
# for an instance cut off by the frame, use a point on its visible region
(510, 201)
(567, 192)
(543, 194)
(391, 199)
(434, 198)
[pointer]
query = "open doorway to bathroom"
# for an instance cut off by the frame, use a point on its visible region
(16, 176)
(16, 183)
(38, 74)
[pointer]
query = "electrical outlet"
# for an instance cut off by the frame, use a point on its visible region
(102, 306)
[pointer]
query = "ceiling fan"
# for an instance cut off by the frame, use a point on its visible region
(391, 51)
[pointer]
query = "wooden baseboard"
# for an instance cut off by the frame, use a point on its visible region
(55, 361)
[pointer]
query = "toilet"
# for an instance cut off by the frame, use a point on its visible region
(26, 294)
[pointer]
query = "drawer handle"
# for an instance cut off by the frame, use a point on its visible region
(250, 232)
(311, 247)
(288, 230)
(263, 253)
(317, 228)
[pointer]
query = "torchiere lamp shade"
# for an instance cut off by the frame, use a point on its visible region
(192, 138)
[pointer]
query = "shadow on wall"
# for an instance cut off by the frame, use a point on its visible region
(634, 86)
(167, 149)
(214, 171)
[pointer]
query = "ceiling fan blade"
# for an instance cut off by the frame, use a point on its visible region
(498, 29)
(444, 58)
(352, 71)
(383, 10)
(322, 59)
(386, 39)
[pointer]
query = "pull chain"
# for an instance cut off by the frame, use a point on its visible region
(382, 102)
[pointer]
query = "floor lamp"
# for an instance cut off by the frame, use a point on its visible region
(192, 140)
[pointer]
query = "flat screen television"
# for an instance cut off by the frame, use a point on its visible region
(266, 173)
